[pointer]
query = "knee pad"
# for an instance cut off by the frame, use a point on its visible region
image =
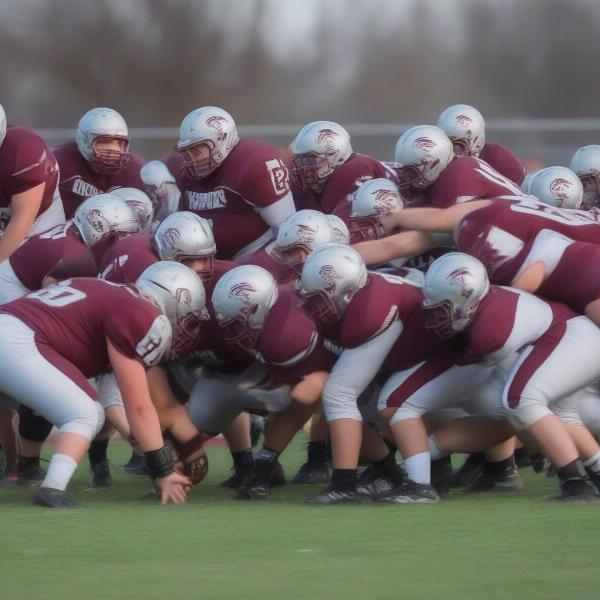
(340, 403)
(32, 426)
(528, 413)
(407, 411)
(88, 423)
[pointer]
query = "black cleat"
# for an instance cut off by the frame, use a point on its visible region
(332, 496)
(266, 475)
(136, 465)
(507, 480)
(240, 477)
(409, 492)
(372, 483)
(311, 472)
(469, 471)
(578, 490)
(442, 475)
(51, 498)
(101, 477)
(29, 472)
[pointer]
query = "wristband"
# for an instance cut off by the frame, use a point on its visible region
(159, 462)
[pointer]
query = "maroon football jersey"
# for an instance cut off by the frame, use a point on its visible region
(79, 181)
(501, 235)
(25, 162)
(263, 258)
(341, 183)
(290, 344)
(251, 177)
(127, 259)
(74, 318)
(468, 178)
(501, 159)
(507, 319)
(59, 253)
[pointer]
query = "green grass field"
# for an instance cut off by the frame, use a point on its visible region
(123, 545)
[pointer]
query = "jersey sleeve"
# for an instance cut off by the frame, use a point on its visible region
(265, 182)
(34, 164)
(140, 333)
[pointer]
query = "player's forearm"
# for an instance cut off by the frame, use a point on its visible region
(400, 245)
(14, 234)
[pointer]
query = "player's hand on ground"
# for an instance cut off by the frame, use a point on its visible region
(174, 488)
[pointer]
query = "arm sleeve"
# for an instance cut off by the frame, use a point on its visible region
(276, 213)
(353, 372)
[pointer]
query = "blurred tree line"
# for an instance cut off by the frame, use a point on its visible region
(359, 60)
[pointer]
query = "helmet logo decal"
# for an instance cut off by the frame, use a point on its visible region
(328, 274)
(560, 189)
(242, 291)
(327, 138)
(458, 279)
(464, 120)
(97, 221)
(170, 237)
(305, 234)
(216, 123)
(385, 200)
(424, 143)
(183, 296)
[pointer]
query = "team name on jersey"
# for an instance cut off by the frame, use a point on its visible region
(206, 200)
(83, 188)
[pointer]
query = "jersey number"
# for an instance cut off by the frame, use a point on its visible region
(58, 295)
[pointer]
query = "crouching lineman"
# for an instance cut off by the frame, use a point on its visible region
(78, 329)
(533, 343)
(269, 323)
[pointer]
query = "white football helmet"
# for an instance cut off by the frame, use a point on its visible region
(184, 235)
(423, 152)
(586, 165)
(371, 200)
(2, 124)
(103, 218)
(161, 187)
(455, 284)
(300, 234)
(212, 127)
(465, 127)
(103, 123)
(557, 186)
(141, 204)
(242, 299)
(340, 234)
(331, 277)
(179, 293)
(318, 149)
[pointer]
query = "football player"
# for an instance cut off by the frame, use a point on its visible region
(29, 197)
(79, 328)
(324, 168)
(465, 127)
(378, 322)
(557, 186)
(537, 344)
(429, 175)
(269, 323)
(98, 159)
(240, 186)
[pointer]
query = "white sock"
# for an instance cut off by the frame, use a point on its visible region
(434, 449)
(60, 471)
(593, 464)
(418, 467)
